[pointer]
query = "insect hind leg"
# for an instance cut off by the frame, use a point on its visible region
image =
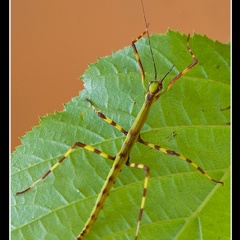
(77, 144)
(146, 169)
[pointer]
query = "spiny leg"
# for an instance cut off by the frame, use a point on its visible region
(167, 151)
(77, 144)
(146, 169)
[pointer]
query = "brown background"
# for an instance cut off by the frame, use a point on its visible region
(53, 41)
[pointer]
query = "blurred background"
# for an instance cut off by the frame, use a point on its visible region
(52, 43)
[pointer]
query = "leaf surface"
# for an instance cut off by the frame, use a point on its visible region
(192, 118)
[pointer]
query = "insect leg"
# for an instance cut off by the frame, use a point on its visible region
(106, 119)
(191, 65)
(173, 153)
(137, 55)
(77, 144)
(146, 169)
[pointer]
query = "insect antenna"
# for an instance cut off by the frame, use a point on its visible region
(149, 42)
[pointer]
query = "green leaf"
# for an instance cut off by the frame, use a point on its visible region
(192, 118)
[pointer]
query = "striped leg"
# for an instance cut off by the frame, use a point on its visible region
(173, 153)
(195, 61)
(191, 65)
(137, 55)
(146, 169)
(167, 151)
(77, 144)
(106, 119)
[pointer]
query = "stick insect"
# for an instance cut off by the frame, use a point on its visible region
(154, 91)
